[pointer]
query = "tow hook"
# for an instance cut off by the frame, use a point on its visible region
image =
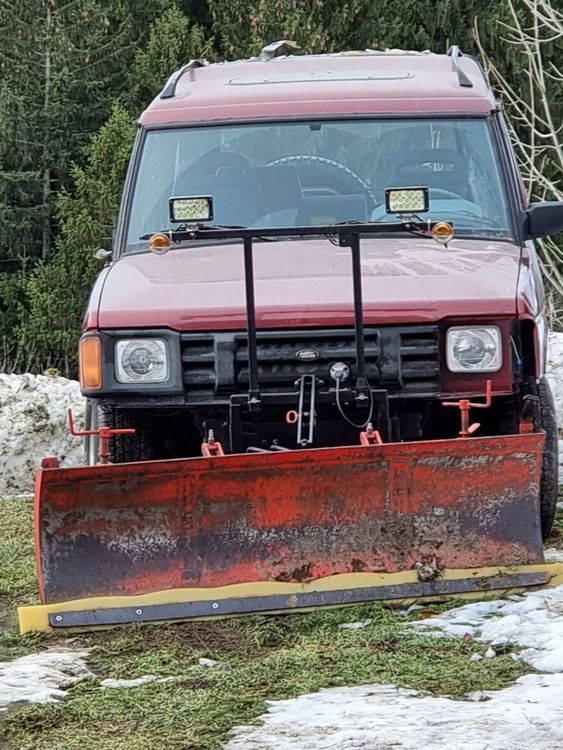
(370, 436)
(464, 405)
(211, 447)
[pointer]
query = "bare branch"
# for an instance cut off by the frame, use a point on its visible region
(533, 28)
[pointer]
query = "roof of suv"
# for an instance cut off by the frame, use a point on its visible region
(349, 83)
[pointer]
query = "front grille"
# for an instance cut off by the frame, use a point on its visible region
(419, 359)
(402, 359)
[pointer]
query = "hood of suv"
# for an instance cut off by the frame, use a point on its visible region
(309, 283)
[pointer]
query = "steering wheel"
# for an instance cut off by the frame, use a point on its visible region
(446, 193)
(319, 172)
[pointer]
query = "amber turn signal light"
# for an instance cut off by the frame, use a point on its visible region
(90, 362)
(159, 243)
(443, 232)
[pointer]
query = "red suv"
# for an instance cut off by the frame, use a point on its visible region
(349, 245)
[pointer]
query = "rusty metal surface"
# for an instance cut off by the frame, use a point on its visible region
(282, 602)
(295, 516)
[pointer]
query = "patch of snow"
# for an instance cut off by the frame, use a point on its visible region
(553, 555)
(533, 622)
(208, 663)
(409, 610)
(33, 424)
(529, 714)
(146, 679)
(355, 625)
(41, 678)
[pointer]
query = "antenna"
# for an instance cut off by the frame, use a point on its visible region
(271, 50)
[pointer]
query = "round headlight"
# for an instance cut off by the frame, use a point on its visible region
(474, 349)
(141, 361)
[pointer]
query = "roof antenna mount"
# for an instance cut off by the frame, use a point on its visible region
(169, 90)
(270, 51)
(463, 79)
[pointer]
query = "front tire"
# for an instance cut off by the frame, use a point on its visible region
(129, 448)
(545, 419)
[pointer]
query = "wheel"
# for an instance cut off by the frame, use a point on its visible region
(126, 448)
(545, 419)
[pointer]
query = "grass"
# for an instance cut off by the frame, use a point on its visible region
(556, 536)
(269, 658)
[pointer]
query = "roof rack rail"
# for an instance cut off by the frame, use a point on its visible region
(169, 91)
(271, 50)
(463, 79)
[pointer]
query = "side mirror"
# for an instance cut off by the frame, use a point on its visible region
(543, 219)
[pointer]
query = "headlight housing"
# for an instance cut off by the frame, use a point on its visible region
(142, 361)
(475, 349)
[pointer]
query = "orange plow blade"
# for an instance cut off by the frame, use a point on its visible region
(292, 517)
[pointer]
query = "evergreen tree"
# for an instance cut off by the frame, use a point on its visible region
(242, 27)
(173, 40)
(62, 63)
(65, 63)
(57, 290)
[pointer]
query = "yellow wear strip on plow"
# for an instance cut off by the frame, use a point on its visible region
(35, 618)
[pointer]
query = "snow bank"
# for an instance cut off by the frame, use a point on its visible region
(529, 714)
(33, 424)
(554, 372)
(41, 678)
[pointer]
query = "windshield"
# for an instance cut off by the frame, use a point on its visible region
(321, 172)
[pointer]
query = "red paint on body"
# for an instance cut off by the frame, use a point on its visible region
(323, 85)
(309, 284)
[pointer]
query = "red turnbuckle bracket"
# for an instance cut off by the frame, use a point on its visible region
(212, 447)
(464, 405)
(103, 433)
(370, 436)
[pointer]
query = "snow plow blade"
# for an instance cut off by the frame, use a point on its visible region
(288, 530)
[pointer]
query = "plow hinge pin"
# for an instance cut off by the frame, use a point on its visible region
(464, 405)
(103, 433)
